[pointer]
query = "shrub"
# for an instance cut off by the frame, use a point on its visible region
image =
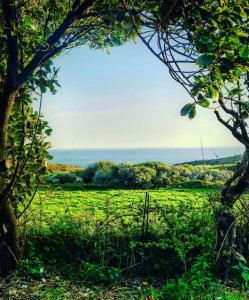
(63, 178)
(104, 167)
(144, 175)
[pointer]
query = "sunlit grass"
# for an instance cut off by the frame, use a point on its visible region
(57, 202)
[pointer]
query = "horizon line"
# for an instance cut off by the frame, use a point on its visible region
(145, 148)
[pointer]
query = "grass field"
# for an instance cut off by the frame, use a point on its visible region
(106, 255)
(56, 202)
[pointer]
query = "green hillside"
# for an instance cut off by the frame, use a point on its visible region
(217, 161)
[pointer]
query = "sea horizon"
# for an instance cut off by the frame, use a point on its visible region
(124, 148)
(83, 157)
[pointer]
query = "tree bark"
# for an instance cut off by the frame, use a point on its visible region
(226, 241)
(9, 249)
(6, 103)
(225, 218)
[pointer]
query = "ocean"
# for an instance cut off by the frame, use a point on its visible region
(84, 157)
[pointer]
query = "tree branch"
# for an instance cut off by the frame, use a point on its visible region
(50, 48)
(234, 132)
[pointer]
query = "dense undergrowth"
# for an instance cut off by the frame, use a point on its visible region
(151, 251)
(147, 240)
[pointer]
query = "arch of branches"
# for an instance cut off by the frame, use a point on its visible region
(206, 53)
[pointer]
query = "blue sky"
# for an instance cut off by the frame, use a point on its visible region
(125, 99)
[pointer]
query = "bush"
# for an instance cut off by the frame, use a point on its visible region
(136, 176)
(103, 167)
(63, 178)
(145, 175)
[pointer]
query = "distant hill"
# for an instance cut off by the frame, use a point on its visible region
(62, 168)
(217, 161)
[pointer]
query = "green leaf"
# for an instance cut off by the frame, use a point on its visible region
(241, 34)
(186, 109)
(49, 157)
(214, 23)
(244, 51)
(192, 113)
(242, 13)
(233, 41)
(245, 276)
(47, 145)
(205, 60)
(48, 131)
(27, 20)
(213, 93)
(238, 71)
(205, 38)
(235, 91)
(231, 22)
(200, 96)
(203, 103)
(246, 105)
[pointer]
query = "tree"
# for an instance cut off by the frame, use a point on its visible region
(204, 45)
(32, 33)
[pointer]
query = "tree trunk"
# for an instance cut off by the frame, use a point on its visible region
(6, 103)
(226, 241)
(226, 220)
(9, 249)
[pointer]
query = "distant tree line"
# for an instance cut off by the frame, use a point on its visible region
(144, 175)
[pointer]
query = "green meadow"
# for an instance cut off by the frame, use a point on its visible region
(56, 202)
(120, 244)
